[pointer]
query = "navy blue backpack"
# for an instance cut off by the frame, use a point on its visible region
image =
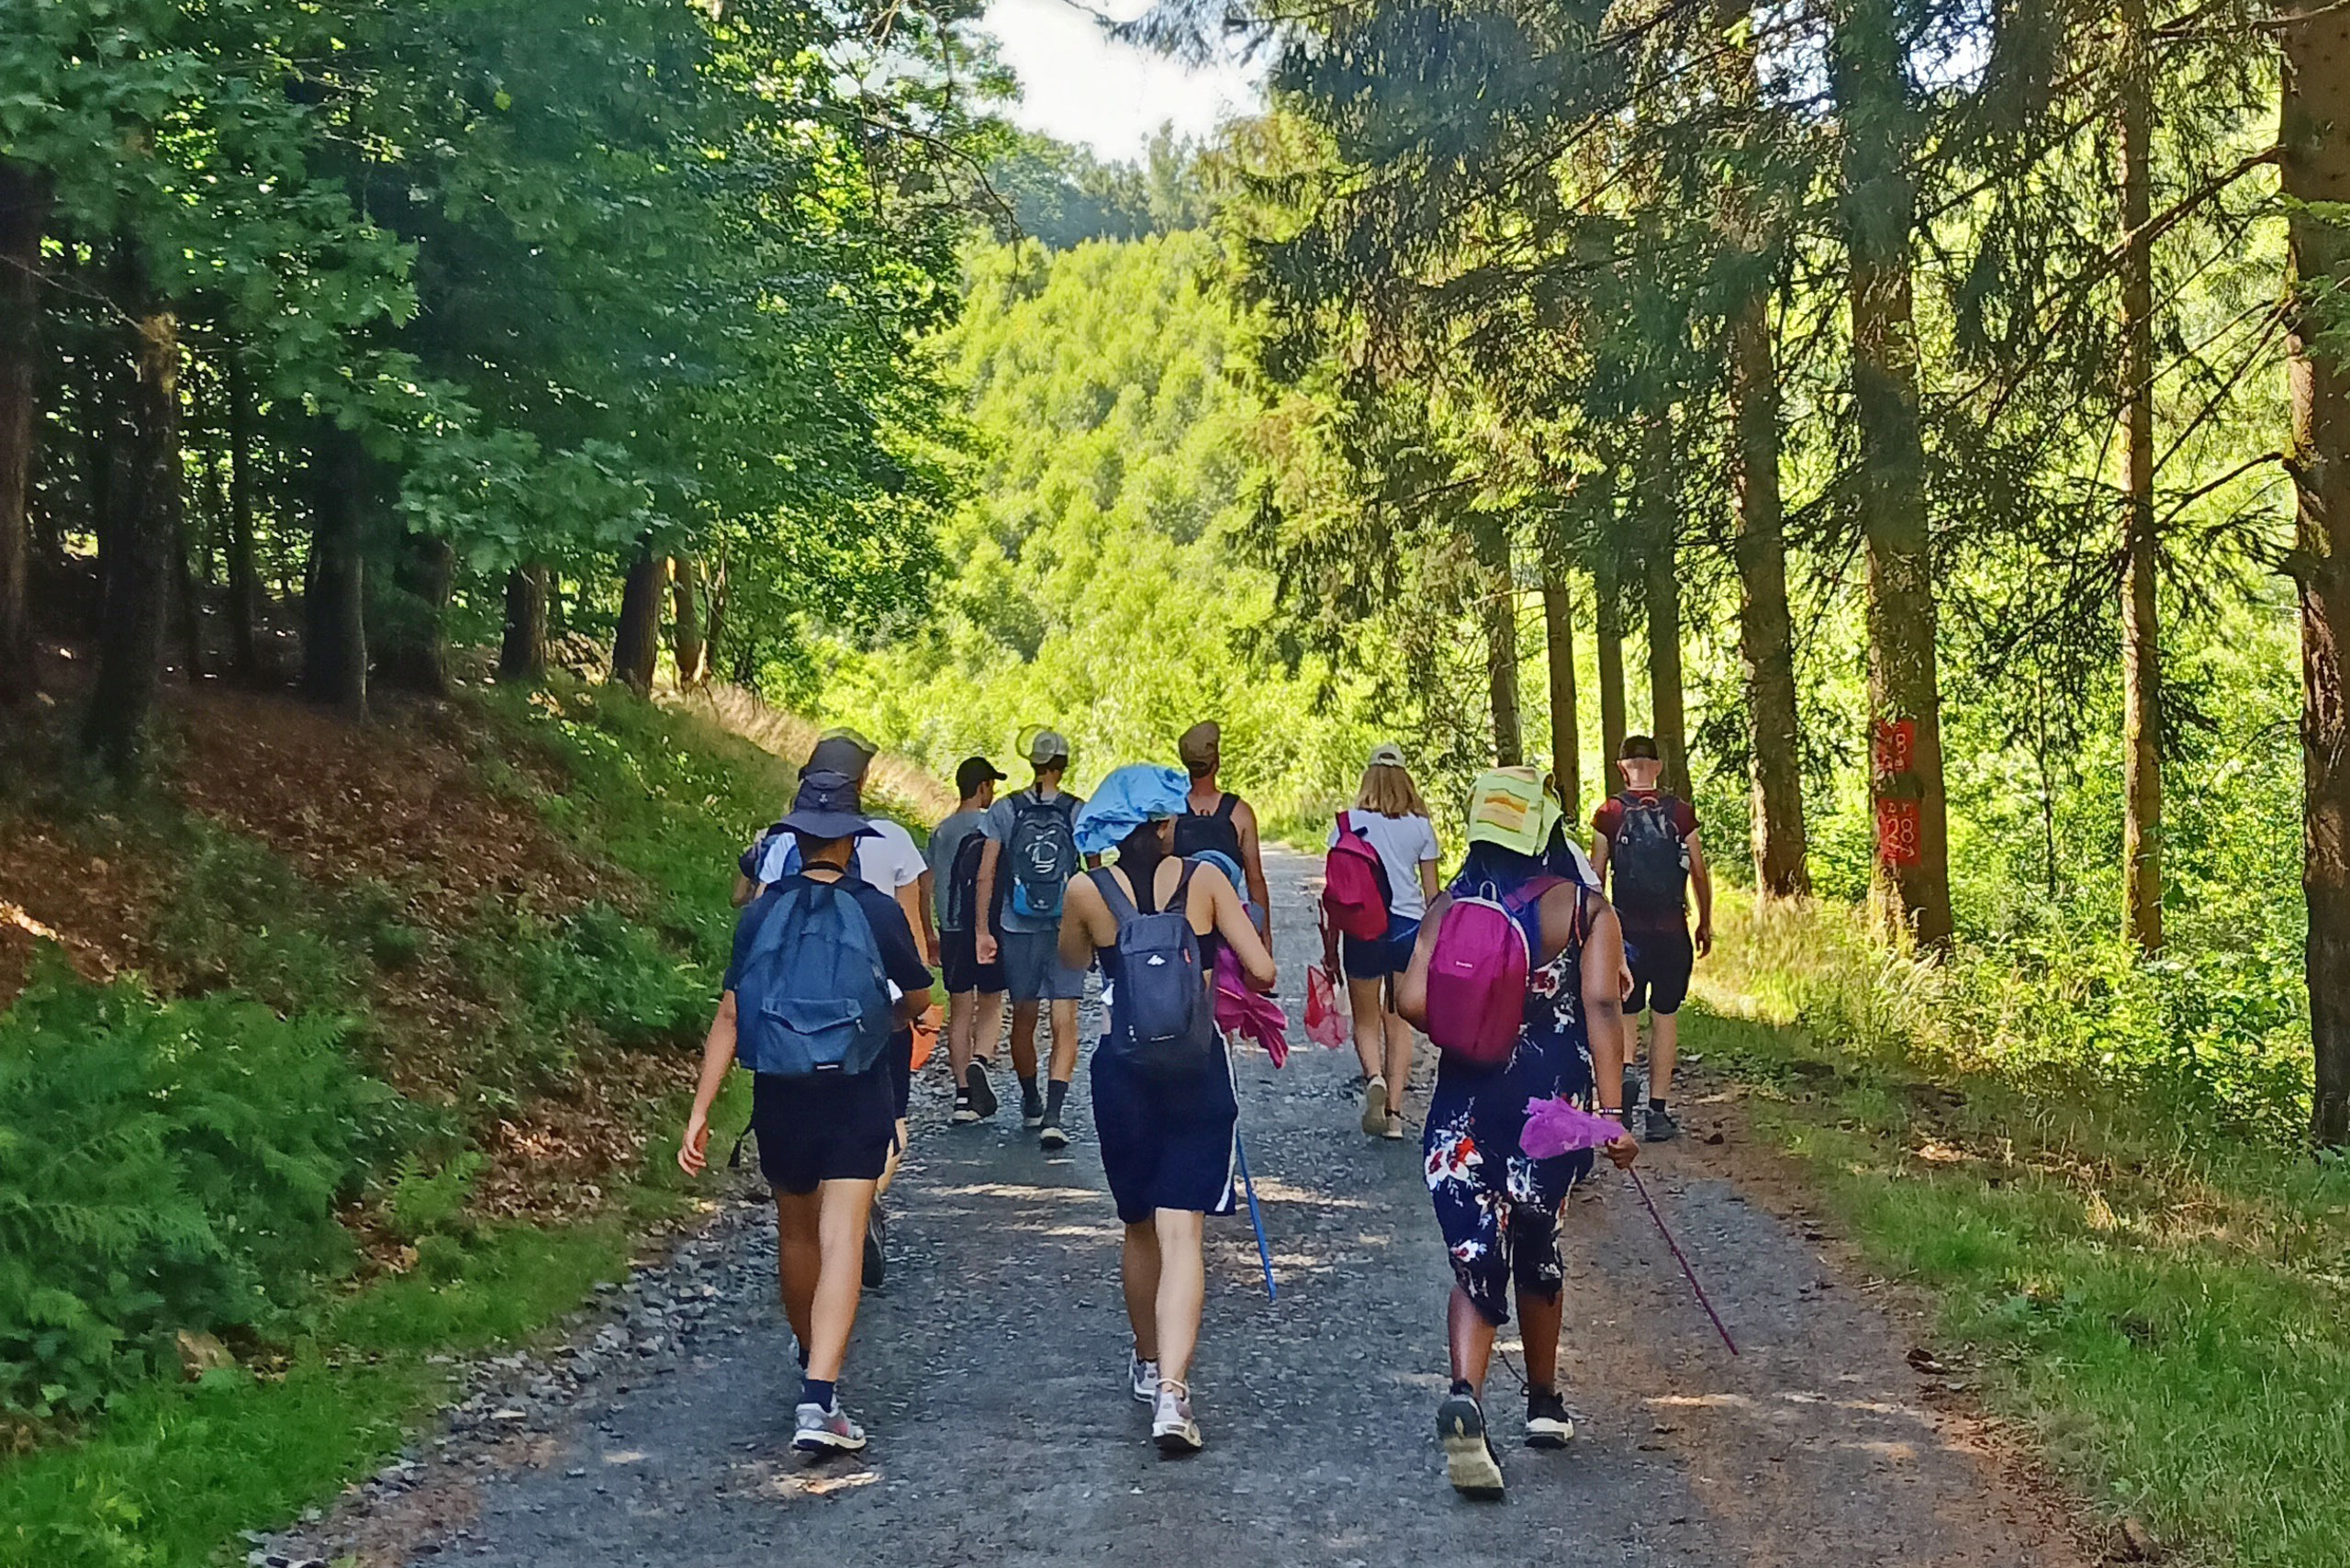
(811, 998)
(1162, 985)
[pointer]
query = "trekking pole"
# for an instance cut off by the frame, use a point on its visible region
(1686, 1271)
(1256, 1220)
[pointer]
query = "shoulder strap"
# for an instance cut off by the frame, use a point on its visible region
(1346, 824)
(1122, 908)
(1179, 900)
(1223, 808)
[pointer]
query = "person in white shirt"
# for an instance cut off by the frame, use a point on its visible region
(1390, 816)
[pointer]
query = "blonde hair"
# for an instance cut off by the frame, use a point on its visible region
(1388, 789)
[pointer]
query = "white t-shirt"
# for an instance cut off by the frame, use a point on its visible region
(889, 860)
(1404, 844)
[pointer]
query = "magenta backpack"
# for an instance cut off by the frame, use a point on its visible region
(1354, 884)
(1478, 973)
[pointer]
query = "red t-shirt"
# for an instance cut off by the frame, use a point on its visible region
(1609, 820)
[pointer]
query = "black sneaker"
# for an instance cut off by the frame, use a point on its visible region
(1032, 1107)
(1469, 1461)
(1661, 1127)
(1548, 1424)
(981, 1092)
(1051, 1136)
(877, 1233)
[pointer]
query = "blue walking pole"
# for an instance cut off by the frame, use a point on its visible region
(1256, 1220)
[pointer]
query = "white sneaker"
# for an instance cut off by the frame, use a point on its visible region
(819, 1430)
(1374, 1107)
(1142, 1377)
(1172, 1426)
(1395, 1132)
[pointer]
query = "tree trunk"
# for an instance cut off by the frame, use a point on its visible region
(334, 644)
(636, 642)
(1607, 629)
(522, 658)
(23, 217)
(1559, 650)
(2314, 130)
(412, 637)
(1909, 890)
(1498, 608)
(187, 608)
(143, 522)
(685, 625)
(1661, 599)
(245, 574)
(714, 621)
(2142, 670)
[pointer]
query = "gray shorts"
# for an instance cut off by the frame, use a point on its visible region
(1033, 970)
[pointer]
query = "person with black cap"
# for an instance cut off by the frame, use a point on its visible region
(1644, 841)
(825, 973)
(1024, 871)
(1213, 818)
(974, 990)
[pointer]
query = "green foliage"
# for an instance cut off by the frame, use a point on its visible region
(163, 1166)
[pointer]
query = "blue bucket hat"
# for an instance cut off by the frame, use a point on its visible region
(1135, 794)
(825, 808)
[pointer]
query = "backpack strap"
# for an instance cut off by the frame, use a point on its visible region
(1346, 824)
(1224, 807)
(1122, 908)
(1178, 900)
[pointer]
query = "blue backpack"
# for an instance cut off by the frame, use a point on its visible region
(811, 997)
(1168, 1022)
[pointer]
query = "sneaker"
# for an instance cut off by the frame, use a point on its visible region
(1661, 1127)
(1394, 1131)
(1142, 1377)
(1173, 1427)
(964, 1115)
(1050, 1135)
(876, 1234)
(1548, 1424)
(821, 1432)
(1469, 1461)
(1032, 1107)
(982, 1093)
(1374, 1107)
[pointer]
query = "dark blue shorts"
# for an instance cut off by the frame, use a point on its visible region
(1661, 962)
(1366, 959)
(812, 1130)
(1165, 1146)
(958, 955)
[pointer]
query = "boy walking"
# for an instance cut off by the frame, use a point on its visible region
(974, 990)
(1645, 844)
(1215, 819)
(1029, 856)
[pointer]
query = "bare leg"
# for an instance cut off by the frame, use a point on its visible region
(1473, 1342)
(987, 1027)
(1399, 1059)
(1182, 1290)
(1664, 1051)
(1139, 1272)
(1364, 1002)
(842, 1207)
(1023, 1039)
(1631, 1046)
(798, 1259)
(1064, 1039)
(1537, 1321)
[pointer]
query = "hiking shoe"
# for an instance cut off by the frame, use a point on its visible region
(1374, 1107)
(964, 1115)
(1050, 1135)
(1171, 1424)
(822, 1431)
(982, 1093)
(1469, 1461)
(877, 1233)
(1142, 1377)
(1661, 1127)
(1032, 1107)
(1548, 1424)
(1394, 1131)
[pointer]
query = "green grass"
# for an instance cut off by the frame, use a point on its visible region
(2168, 1310)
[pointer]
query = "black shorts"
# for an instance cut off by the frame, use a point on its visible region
(1660, 963)
(958, 955)
(817, 1129)
(901, 1060)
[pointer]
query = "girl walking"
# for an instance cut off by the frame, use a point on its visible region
(1391, 817)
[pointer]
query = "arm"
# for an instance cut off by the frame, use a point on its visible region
(1230, 920)
(1082, 913)
(745, 890)
(1600, 844)
(927, 888)
(984, 942)
(717, 1055)
(1603, 1017)
(1412, 985)
(912, 1005)
(1252, 859)
(1428, 880)
(1701, 882)
(914, 904)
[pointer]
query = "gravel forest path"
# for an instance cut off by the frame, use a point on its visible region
(989, 1374)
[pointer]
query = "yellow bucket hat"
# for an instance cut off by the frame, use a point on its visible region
(1509, 807)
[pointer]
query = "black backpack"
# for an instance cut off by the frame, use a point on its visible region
(1042, 852)
(1162, 996)
(1648, 868)
(1196, 833)
(963, 882)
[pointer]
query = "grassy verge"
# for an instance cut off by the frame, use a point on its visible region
(2162, 1301)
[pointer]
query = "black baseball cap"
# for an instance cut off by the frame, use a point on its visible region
(1639, 745)
(972, 772)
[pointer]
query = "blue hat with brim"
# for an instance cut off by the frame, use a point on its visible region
(825, 808)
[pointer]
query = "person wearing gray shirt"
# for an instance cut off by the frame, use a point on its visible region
(974, 990)
(1025, 867)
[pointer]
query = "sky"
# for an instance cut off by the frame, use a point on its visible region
(1079, 87)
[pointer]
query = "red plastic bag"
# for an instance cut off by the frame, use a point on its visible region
(1325, 1025)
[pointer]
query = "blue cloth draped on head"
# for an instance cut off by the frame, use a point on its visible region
(1135, 794)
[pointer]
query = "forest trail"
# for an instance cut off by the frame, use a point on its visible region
(990, 1374)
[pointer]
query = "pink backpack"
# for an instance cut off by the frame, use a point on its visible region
(1354, 884)
(1478, 973)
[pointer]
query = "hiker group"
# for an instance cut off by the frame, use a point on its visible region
(1521, 970)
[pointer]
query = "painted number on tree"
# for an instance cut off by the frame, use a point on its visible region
(1896, 831)
(1894, 750)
